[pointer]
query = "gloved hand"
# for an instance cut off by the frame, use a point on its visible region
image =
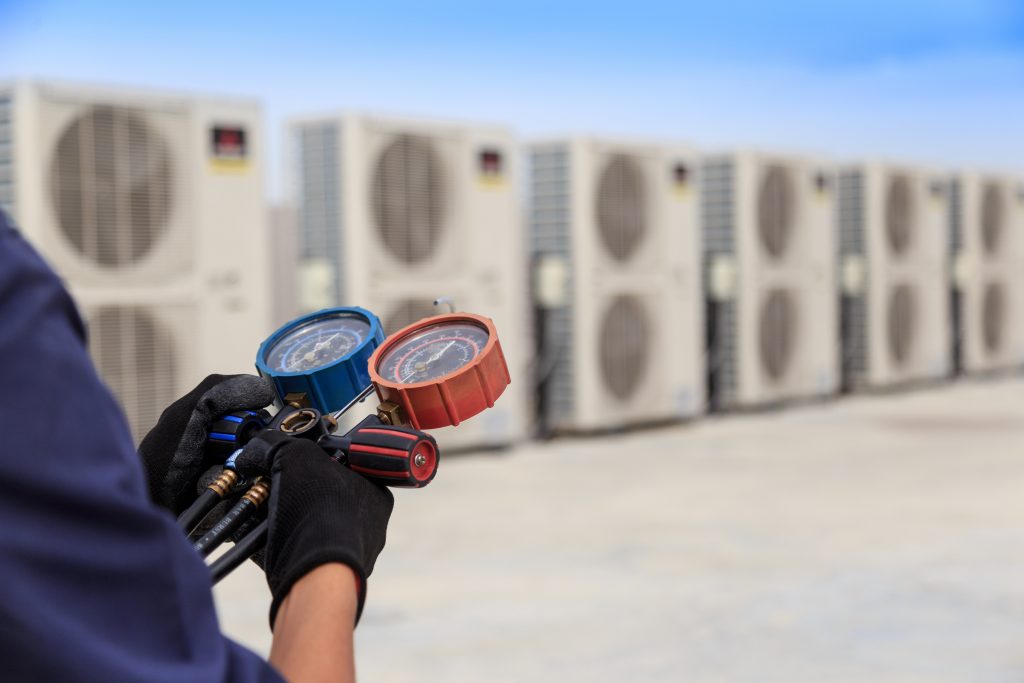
(319, 512)
(174, 451)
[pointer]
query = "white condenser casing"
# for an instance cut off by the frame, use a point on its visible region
(988, 271)
(395, 213)
(769, 250)
(150, 206)
(894, 226)
(616, 223)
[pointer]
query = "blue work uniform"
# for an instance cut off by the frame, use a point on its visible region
(96, 583)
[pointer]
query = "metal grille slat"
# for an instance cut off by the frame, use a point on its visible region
(6, 156)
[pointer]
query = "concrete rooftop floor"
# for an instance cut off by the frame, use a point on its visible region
(872, 538)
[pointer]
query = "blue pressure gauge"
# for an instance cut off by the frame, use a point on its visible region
(322, 356)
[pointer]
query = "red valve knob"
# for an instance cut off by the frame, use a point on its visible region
(393, 455)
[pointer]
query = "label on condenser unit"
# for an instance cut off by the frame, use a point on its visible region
(229, 150)
(491, 168)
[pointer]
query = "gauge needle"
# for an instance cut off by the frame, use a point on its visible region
(430, 360)
(441, 352)
(311, 356)
(326, 342)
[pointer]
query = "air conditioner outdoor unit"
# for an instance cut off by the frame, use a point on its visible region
(615, 236)
(769, 243)
(894, 227)
(151, 208)
(988, 272)
(394, 214)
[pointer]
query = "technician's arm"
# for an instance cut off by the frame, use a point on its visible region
(96, 584)
(313, 629)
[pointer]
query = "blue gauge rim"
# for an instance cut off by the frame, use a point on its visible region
(375, 330)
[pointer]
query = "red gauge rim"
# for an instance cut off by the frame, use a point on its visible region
(460, 394)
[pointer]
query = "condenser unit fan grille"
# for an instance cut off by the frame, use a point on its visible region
(408, 198)
(111, 185)
(624, 346)
(622, 206)
(899, 214)
(993, 317)
(778, 330)
(993, 212)
(135, 356)
(902, 323)
(775, 210)
(406, 313)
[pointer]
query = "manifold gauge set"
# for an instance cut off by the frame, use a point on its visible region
(437, 372)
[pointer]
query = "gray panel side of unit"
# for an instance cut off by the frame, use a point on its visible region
(851, 226)
(718, 221)
(319, 206)
(7, 174)
(550, 226)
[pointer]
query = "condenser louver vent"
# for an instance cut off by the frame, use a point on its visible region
(899, 215)
(993, 318)
(407, 312)
(902, 324)
(624, 351)
(111, 186)
(993, 213)
(408, 198)
(136, 356)
(621, 207)
(777, 333)
(775, 210)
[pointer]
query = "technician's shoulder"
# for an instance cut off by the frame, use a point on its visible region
(28, 285)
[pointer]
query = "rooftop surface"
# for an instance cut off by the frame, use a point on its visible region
(873, 538)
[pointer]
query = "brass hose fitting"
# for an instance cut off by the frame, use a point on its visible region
(258, 492)
(224, 482)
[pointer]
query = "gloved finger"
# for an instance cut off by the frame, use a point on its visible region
(258, 456)
(238, 392)
(158, 446)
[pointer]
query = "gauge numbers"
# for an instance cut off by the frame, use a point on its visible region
(318, 343)
(433, 352)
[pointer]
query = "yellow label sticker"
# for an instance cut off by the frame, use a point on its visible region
(229, 166)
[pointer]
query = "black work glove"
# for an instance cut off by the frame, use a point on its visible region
(320, 512)
(174, 451)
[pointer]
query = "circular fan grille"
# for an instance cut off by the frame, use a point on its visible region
(778, 333)
(993, 317)
(406, 313)
(902, 323)
(408, 197)
(625, 334)
(622, 206)
(111, 186)
(775, 209)
(899, 214)
(992, 219)
(135, 356)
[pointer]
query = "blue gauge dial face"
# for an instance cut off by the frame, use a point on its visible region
(317, 343)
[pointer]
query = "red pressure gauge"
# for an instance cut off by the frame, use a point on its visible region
(441, 370)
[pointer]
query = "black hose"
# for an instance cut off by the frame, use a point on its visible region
(229, 561)
(228, 525)
(190, 518)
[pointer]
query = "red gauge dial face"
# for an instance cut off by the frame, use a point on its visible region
(433, 352)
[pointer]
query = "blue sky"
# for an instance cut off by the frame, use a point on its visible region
(941, 82)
